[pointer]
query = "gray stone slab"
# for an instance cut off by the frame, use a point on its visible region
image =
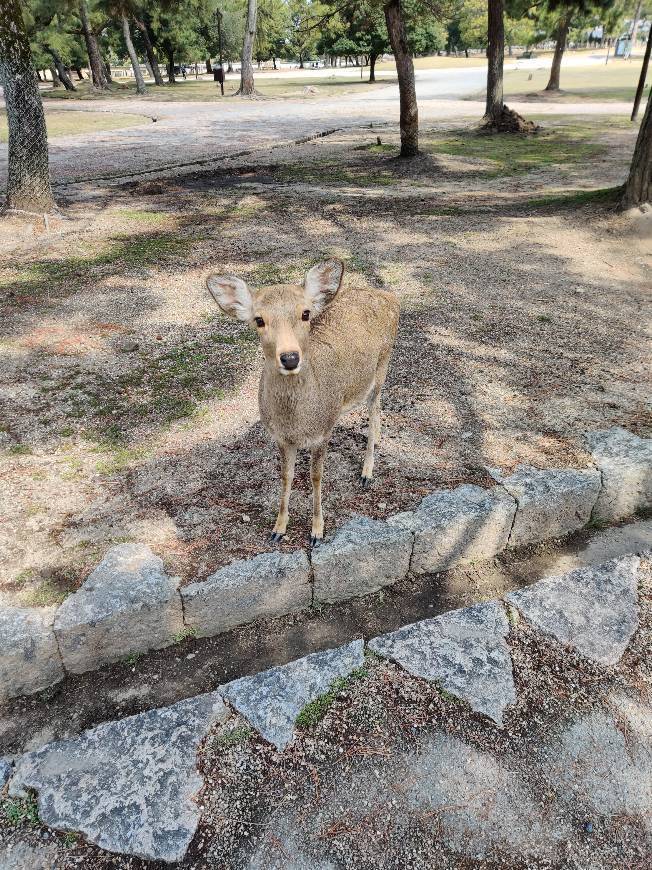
(459, 525)
(6, 766)
(362, 557)
(464, 651)
(271, 584)
(592, 609)
(551, 503)
(625, 462)
(273, 699)
(29, 656)
(127, 786)
(127, 605)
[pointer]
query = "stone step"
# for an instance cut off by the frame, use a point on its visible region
(129, 786)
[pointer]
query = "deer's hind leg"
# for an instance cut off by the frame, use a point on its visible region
(373, 433)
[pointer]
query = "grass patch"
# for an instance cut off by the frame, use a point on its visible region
(315, 711)
(616, 80)
(324, 173)
(79, 123)
(233, 737)
(602, 195)
(20, 812)
(184, 634)
(507, 154)
(141, 215)
(45, 594)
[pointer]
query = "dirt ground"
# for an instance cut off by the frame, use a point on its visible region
(129, 404)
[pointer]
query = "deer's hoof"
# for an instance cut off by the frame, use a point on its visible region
(366, 482)
(314, 540)
(277, 537)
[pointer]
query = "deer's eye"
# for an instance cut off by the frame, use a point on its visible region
(305, 315)
(259, 321)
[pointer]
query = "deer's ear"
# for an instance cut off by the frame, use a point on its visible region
(232, 295)
(322, 282)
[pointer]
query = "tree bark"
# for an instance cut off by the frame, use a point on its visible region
(92, 48)
(149, 51)
(62, 72)
(495, 60)
(641, 81)
(409, 120)
(28, 182)
(56, 81)
(80, 74)
(133, 57)
(209, 67)
(638, 188)
(246, 69)
(560, 47)
(372, 67)
(106, 70)
(171, 77)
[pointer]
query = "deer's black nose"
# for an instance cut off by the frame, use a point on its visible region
(290, 360)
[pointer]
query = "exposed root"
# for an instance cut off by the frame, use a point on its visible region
(509, 121)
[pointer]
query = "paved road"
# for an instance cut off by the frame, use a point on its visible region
(193, 131)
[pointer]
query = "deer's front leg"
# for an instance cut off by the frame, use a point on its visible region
(317, 457)
(288, 458)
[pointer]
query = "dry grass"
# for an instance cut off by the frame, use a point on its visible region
(77, 123)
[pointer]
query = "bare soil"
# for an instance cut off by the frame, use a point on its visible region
(129, 404)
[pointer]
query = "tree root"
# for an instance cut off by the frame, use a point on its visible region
(509, 121)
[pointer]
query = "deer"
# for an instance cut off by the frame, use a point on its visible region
(326, 350)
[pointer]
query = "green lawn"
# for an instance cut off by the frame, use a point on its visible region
(202, 90)
(72, 123)
(616, 80)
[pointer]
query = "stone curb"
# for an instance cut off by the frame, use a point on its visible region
(129, 604)
(130, 785)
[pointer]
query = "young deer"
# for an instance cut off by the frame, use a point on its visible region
(326, 349)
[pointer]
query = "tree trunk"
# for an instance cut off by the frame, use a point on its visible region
(38, 75)
(28, 181)
(106, 69)
(229, 68)
(560, 47)
(247, 70)
(495, 60)
(62, 72)
(133, 57)
(274, 63)
(635, 23)
(171, 77)
(642, 78)
(149, 51)
(209, 67)
(80, 74)
(92, 48)
(372, 67)
(638, 189)
(405, 70)
(56, 81)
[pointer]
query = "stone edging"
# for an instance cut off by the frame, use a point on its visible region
(129, 605)
(141, 771)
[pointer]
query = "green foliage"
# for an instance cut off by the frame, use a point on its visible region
(20, 812)
(315, 711)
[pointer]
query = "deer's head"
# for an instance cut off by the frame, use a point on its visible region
(281, 314)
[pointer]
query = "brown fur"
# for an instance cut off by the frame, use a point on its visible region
(344, 353)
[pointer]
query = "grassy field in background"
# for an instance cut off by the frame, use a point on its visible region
(616, 80)
(202, 90)
(71, 123)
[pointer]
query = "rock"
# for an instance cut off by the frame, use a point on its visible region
(464, 651)
(459, 525)
(593, 609)
(362, 557)
(551, 503)
(127, 605)
(128, 786)
(126, 345)
(273, 699)
(625, 463)
(6, 767)
(19, 855)
(29, 656)
(271, 584)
